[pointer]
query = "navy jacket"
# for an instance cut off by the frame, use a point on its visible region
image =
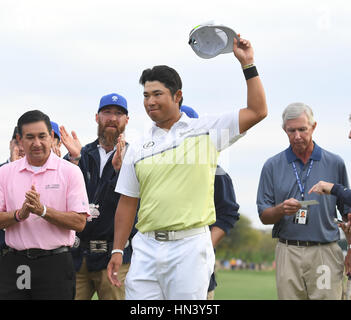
(226, 207)
(342, 193)
(101, 191)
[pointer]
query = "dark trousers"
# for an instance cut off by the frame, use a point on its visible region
(44, 278)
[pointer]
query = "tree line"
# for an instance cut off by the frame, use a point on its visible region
(252, 245)
(247, 243)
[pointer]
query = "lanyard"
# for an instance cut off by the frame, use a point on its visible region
(302, 187)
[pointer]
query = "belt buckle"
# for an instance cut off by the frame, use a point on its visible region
(98, 246)
(161, 235)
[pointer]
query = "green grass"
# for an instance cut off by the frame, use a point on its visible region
(245, 285)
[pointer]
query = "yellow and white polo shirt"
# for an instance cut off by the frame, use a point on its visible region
(172, 172)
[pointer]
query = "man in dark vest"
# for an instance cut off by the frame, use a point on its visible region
(99, 162)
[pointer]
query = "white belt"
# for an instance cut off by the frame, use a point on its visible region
(175, 235)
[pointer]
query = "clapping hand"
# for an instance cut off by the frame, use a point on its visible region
(71, 142)
(33, 201)
(25, 211)
(120, 152)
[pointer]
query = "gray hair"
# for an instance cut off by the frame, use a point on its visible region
(295, 110)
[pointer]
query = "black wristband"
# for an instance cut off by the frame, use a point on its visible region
(15, 216)
(250, 72)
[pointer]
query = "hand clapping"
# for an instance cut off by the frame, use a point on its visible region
(33, 201)
(119, 154)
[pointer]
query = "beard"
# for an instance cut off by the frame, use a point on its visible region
(109, 137)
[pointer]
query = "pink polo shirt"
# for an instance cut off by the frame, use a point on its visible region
(60, 185)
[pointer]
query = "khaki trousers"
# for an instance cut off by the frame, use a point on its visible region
(210, 295)
(314, 272)
(87, 283)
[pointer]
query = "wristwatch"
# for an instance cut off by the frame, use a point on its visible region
(74, 159)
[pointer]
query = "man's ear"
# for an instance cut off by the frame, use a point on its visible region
(178, 96)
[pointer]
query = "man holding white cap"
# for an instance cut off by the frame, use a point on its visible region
(172, 171)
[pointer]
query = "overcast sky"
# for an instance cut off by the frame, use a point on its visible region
(62, 56)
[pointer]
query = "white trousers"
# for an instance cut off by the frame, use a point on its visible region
(170, 270)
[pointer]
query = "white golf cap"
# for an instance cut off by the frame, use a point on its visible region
(209, 40)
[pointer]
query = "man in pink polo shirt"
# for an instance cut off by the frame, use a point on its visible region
(43, 202)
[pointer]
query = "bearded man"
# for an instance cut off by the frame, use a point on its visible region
(100, 162)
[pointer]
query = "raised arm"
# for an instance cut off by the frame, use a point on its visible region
(256, 109)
